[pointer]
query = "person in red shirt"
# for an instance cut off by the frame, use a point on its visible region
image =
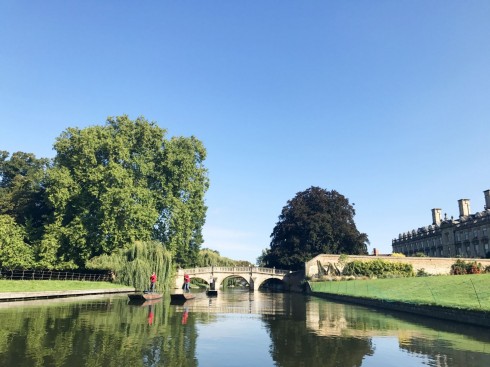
(187, 280)
(153, 280)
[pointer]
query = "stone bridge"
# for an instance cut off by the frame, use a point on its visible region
(254, 276)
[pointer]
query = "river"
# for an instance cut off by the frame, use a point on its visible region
(237, 328)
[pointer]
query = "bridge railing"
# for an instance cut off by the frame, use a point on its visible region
(234, 269)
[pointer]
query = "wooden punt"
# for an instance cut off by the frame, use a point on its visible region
(212, 293)
(181, 297)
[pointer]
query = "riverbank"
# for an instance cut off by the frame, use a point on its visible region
(15, 290)
(464, 298)
(20, 296)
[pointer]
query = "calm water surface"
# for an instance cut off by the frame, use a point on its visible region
(237, 328)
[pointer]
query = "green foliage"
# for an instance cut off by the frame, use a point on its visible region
(113, 185)
(343, 259)
(14, 252)
(208, 257)
(108, 187)
(182, 210)
(378, 268)
(315, 221)
(420, 254)
(397, 254)
(262, 259)
(133, 266)
(22, 192)
(461, 267)
(422, 273)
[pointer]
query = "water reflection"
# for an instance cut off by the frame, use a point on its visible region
(237, 328)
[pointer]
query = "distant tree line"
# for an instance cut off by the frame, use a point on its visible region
(108, 188)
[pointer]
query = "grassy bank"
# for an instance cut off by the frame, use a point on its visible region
(461, 291)
(53, 285)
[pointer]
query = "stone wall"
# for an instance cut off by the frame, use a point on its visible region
(431, 265)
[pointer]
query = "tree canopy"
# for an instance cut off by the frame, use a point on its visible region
(22, 191)
(14, 252)
(108, 187)
(316, 221)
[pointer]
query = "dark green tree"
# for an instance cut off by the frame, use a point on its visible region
(23, 192)
(123, 182)
(316, 221)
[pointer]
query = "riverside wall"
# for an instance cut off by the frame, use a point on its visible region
(431, 265)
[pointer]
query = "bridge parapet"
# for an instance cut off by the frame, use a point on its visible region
(253, 274)
(234, 269)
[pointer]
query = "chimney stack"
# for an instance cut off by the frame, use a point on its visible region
(487, 199)
(436, 216)
(464, 207)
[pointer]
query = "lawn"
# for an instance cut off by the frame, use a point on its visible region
(459, 291)
(53, 285)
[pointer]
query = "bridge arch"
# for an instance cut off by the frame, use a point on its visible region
(255, 276)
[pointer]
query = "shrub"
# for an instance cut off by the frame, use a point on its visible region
(461, 267)
(378, 268)
(422, 273)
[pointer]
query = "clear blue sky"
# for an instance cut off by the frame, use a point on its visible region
(387, 102)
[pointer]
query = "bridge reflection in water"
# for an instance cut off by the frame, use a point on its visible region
(236, 301)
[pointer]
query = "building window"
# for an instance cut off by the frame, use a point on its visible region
(475, 233)
(466, 235)
(477, 249)
(457, 236)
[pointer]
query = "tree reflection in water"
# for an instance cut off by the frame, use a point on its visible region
(95, 333)
(294, 343)
(224, 331)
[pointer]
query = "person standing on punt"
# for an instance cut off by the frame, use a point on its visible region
(187, 280)
(153, 280)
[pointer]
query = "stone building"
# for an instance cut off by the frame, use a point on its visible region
(465, 237)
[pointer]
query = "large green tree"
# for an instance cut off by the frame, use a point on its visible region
(316, 221)
(23, 192)
(14, 252)
(123, 182)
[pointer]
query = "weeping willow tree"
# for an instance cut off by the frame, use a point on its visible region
(134, 265)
